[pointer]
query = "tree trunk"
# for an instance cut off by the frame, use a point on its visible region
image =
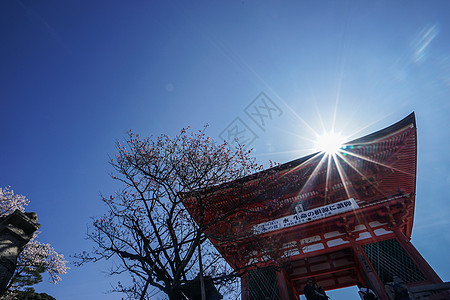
(202, 282)
(175, 295)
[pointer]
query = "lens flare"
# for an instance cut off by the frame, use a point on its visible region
(329, 143)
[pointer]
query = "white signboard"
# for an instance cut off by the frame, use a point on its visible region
(306, 216)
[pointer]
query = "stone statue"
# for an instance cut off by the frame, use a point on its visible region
(16, 230)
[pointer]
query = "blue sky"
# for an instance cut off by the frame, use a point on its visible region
(76, 75)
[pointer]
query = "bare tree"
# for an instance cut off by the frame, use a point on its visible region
(147, 226)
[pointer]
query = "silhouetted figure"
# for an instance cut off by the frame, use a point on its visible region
(366, 293)
(310, 292)
(313, 292)
(397, 290)
(320, 293)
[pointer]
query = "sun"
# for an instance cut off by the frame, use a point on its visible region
(329, 143)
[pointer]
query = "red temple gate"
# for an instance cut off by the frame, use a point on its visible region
(337, 218)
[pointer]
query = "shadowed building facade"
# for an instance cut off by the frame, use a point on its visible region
(338, 218)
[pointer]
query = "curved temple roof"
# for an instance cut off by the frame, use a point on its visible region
(378, 171)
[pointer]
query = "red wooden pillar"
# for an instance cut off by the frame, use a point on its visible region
(245, 292)
(374, 281)
(418, 259)
(284, 286)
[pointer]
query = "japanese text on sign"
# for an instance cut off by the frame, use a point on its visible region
(306, 216)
